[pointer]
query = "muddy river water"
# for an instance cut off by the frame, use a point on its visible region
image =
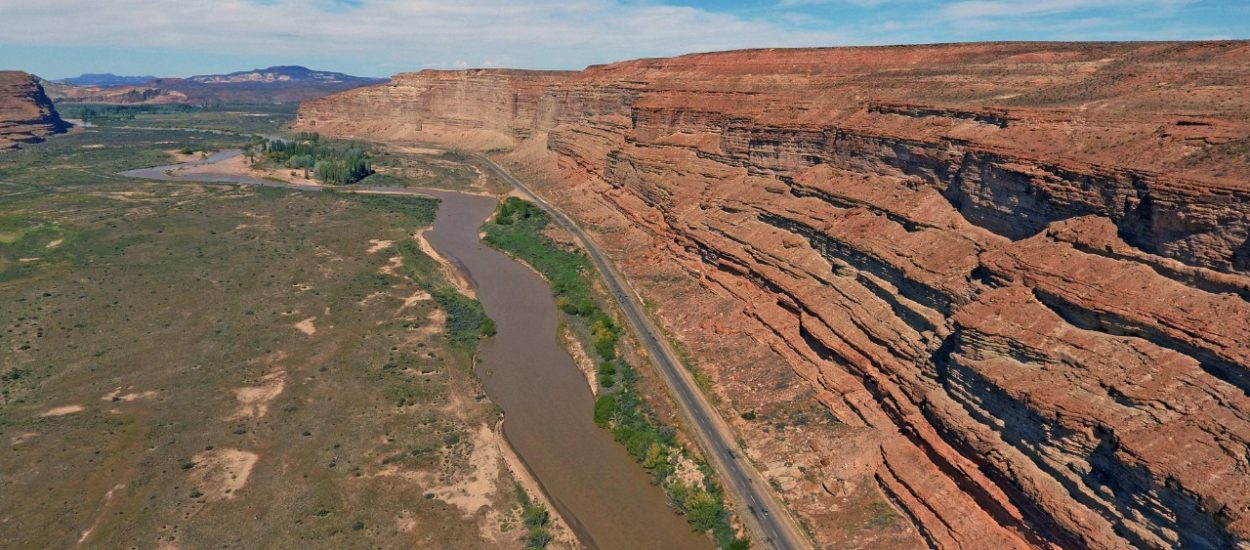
(591, 480)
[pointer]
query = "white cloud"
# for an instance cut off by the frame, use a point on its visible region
(541, 33)
(1024, 8)
(386, 36)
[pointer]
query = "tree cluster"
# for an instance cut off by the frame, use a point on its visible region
(329, 164)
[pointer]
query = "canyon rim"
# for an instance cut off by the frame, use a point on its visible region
(1016, 275)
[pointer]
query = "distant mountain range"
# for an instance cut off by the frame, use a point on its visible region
(280, 84)
(106, 80)
(284, 74)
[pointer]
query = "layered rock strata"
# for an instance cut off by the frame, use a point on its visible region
(1018, 275)
(26, 113)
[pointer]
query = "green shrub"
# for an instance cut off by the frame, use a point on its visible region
(605, 405)
(538, 538)
(606, 368)
(536, 519)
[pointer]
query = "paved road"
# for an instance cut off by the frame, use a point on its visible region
(769, 521)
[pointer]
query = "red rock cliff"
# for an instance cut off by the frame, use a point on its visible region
(1018, 275)
(26, 113)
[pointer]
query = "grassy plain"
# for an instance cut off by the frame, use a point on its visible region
(184, 366)
(257, 119)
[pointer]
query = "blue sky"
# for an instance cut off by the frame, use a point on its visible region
(59, 38)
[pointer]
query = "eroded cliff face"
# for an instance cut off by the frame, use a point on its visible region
(1017, 275)
(26, 113)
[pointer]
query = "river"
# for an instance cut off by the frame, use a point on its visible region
(606, 497)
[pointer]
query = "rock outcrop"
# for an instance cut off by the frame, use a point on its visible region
(26, 113)
(1018, 275)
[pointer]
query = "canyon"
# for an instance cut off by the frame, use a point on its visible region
(1016, 275)
(26, 113)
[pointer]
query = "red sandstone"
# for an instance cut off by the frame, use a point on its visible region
(1018, 275)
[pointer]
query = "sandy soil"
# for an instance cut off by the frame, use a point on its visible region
(376, 245)
(453, 274)
(179, 157)
(63, 410)
(117, 395)
(306, 326)
(417, 150)
(254, 400)
(393, 266)
(417, 297)
(220, 473)
(470, 493)
(23, 437)
(239, 165)
(476, 489)
(583, 361)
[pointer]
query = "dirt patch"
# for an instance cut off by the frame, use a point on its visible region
(418, 150)
(377, 245)
(404, 522)
(254, 400)
(306, 326)
(477, 488)
(469, 492)
(490, 460)
(117, 395)
(416, 298)
(239, 166)
(63, 410)
(220, 473)
(55, 243)
(179, 156)
(392, 267)
(22, 438)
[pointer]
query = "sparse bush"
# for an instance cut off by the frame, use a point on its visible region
(536, 519)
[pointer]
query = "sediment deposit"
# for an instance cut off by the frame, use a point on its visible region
(26, 113)
(1017, 275)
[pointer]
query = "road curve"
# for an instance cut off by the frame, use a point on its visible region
(769, 521)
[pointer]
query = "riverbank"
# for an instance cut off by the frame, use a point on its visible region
(521, 229)
(589, 479)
